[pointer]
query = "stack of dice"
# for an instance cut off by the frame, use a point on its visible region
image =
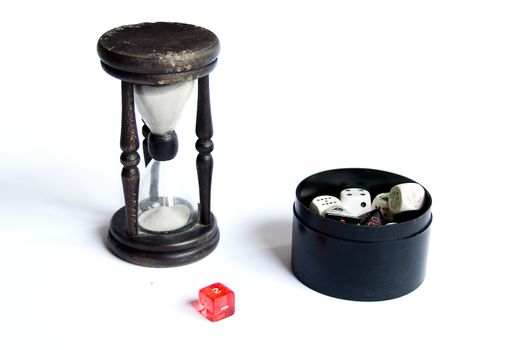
(355, 206)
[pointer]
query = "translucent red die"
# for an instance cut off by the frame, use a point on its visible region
(216, 302)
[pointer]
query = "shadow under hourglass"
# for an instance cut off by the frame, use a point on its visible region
(103, 236)
(277, 235)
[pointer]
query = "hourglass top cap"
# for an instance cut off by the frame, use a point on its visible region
(158, 53)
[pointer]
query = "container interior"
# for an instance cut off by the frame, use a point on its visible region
(331, 182)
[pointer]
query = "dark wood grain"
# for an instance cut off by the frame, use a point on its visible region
(159, 54)
(158, 48)
(162, 250)
(204, 146)
(129, 158)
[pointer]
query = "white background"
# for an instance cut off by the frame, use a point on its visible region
(431, 90)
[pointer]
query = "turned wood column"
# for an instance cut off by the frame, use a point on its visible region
(160, 54)
(204, 146)
(129, 158)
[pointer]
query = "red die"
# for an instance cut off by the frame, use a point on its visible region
(216, 302)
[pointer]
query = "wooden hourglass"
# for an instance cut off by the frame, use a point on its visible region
(158, 63)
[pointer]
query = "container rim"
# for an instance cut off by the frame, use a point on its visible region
(331, 182)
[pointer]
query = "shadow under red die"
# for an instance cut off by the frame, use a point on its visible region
(216, 302)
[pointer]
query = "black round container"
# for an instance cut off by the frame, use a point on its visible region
(358, 262)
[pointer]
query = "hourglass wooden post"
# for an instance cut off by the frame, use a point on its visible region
(157, 64)
(129, 158)
(204, 146)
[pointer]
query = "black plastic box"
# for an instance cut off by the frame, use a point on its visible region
(358, 262)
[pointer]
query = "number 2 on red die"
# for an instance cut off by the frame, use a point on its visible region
(216, 302)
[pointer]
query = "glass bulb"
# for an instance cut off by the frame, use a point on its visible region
(161, 106)
(165, 204)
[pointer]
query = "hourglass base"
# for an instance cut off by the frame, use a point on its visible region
(161, 250)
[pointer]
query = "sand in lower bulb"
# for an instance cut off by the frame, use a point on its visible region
(164, 219)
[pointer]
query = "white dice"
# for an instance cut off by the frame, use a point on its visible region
(381, 202)
(405, 197)
(321, 204)
(357, 201)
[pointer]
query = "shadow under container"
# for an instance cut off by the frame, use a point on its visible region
(358, 262)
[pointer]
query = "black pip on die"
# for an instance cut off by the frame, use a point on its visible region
(381, 202)
(321, 204)
(354, 205)
(357, 201)
(331, 207)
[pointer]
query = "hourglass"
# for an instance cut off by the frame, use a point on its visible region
(162, 223)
